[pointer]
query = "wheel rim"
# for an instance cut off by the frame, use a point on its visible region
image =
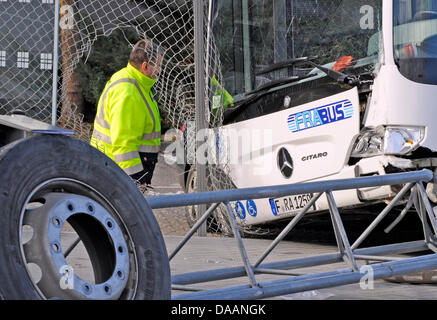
(56, 203)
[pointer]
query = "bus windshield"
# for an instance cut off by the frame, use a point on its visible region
(251, 35)
(415, 39)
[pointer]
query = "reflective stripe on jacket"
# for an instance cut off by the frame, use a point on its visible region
(127, 120)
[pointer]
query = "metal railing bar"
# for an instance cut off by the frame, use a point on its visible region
(402, 214)
(425, 209)
(429, 210)
(337, 236)
(342, 277)
(181, 200)
(396, 248)
(236, 272)
(287, 229)
(185, 288)
(422, 216)
(245, 292)
(376, 258)
(382, 215)
(71, 247)
(226, 291)
(209, 275)
(339, 227)
(315, 281)
(229, 291)
(385, 265)
(277, 272)
(241, 247)
(336, 231)
(193, 230)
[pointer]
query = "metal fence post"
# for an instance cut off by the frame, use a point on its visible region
(55, 63)
(199, 56)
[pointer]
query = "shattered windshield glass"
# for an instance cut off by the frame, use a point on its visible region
(252, 35)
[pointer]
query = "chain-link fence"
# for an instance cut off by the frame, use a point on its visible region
(26, 57)
(96, 37)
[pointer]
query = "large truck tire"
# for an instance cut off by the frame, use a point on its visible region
(48, 181)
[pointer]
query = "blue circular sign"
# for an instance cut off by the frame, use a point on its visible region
(239, 210)
(251, 208)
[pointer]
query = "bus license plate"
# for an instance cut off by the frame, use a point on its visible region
(290, 204)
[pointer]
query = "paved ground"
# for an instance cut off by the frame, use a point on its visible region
(214, 253)
(166, 182)
(209, 253)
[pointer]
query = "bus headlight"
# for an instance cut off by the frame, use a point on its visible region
(388, 140)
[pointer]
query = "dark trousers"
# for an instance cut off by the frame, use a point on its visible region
(149, 161)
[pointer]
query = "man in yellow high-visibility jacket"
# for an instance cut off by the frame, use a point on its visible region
(127, 127)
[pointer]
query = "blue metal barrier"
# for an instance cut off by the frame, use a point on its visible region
(182, 200)
(348, 253)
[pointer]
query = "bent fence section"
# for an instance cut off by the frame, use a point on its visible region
(349, 253)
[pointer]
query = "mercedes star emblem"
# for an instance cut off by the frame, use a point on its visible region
(285, 163)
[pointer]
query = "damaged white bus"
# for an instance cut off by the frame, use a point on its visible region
(337, 89)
